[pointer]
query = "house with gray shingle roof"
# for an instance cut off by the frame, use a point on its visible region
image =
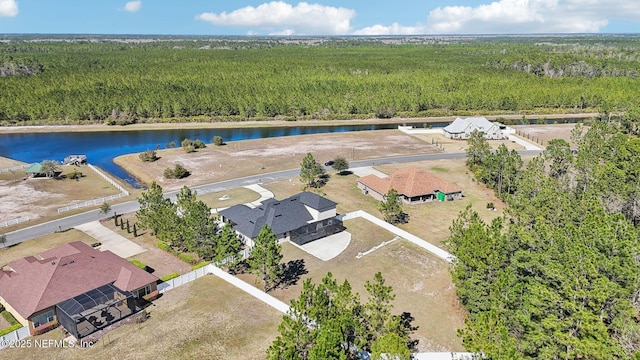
(462, 128)
(301, 218)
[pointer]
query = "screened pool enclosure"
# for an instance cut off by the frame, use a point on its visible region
(95, 310)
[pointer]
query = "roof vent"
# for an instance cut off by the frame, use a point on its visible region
(72, 261)
(64, 264)
(53, 263)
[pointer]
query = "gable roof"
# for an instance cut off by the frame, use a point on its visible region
(32, 284)
(410, 182)
(460, 125)
(281, 215)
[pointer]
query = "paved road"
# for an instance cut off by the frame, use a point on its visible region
(35, 231)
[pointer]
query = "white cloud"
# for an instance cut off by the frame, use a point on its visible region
(279, 17)
(133, 6)
(394, 29)
(517, 17)
(531, 16)
(8, 8)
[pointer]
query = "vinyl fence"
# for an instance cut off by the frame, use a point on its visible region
(109, 180)
(183, 279)
(93, 202)
(13, 338)
(15, 168)
(8, 223)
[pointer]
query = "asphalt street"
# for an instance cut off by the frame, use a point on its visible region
(35, 231)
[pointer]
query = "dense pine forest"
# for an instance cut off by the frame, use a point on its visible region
(136, 79)
(558, 276)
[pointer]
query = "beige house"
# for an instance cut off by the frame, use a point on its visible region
(415, 186)
(90, 289)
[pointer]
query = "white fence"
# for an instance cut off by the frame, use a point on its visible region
(13, 338)
(91, 202)
(14, 221)
(100, 201)
(15, 168)
(183, 279)
(109, 180)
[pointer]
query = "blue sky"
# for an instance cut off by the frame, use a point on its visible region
(324, 17)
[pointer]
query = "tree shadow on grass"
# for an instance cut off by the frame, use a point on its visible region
(292, 271)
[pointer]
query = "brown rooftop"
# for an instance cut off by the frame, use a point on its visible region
(32, 284)
(409, 182)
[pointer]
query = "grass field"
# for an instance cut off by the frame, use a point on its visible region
(429, 221)
(421, 281)
(205, 319)
(236, 196)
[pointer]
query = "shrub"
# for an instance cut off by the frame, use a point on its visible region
(139, 264)
(217, 140)
(187, 258)
(385, 112)
(490, 206)
(178, 172)
(200, 265)
(163, 246)
(169, 277)
(191, 145)
(148, 156)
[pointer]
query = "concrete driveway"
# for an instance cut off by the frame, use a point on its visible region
(111, 240)
(328, 247)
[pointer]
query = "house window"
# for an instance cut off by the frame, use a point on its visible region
(42, 319)
(143, 291)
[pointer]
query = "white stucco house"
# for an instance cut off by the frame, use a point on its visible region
(462, 128)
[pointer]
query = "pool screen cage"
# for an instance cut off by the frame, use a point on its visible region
(94, 310)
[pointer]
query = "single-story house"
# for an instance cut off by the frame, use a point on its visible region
(415, 186)
(301, 218)
(75, 285)
(34, 169)
(462, 128)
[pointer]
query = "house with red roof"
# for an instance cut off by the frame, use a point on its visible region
(75, 285)
(414, 185)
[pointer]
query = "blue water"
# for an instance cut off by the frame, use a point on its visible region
(102, 147)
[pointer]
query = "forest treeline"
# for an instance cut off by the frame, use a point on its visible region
(137, 81)
(557, 277)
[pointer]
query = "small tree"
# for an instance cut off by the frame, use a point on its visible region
(478, 149)
(217, 140)
(148, 156)
(391, 207)
(105, 208)
(265, 258)
(49, 167)
(340, 164)
(310, 170)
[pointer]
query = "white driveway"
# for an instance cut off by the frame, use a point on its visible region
(328, 247)
(111, 240)
(264, 194)
(367, 170)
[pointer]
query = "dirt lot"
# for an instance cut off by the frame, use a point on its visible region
(248, 157)
(7, 163)
(41, 197)
(205, 319)
(548, 132)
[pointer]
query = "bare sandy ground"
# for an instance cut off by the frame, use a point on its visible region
(249, 157)
(7, 163)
